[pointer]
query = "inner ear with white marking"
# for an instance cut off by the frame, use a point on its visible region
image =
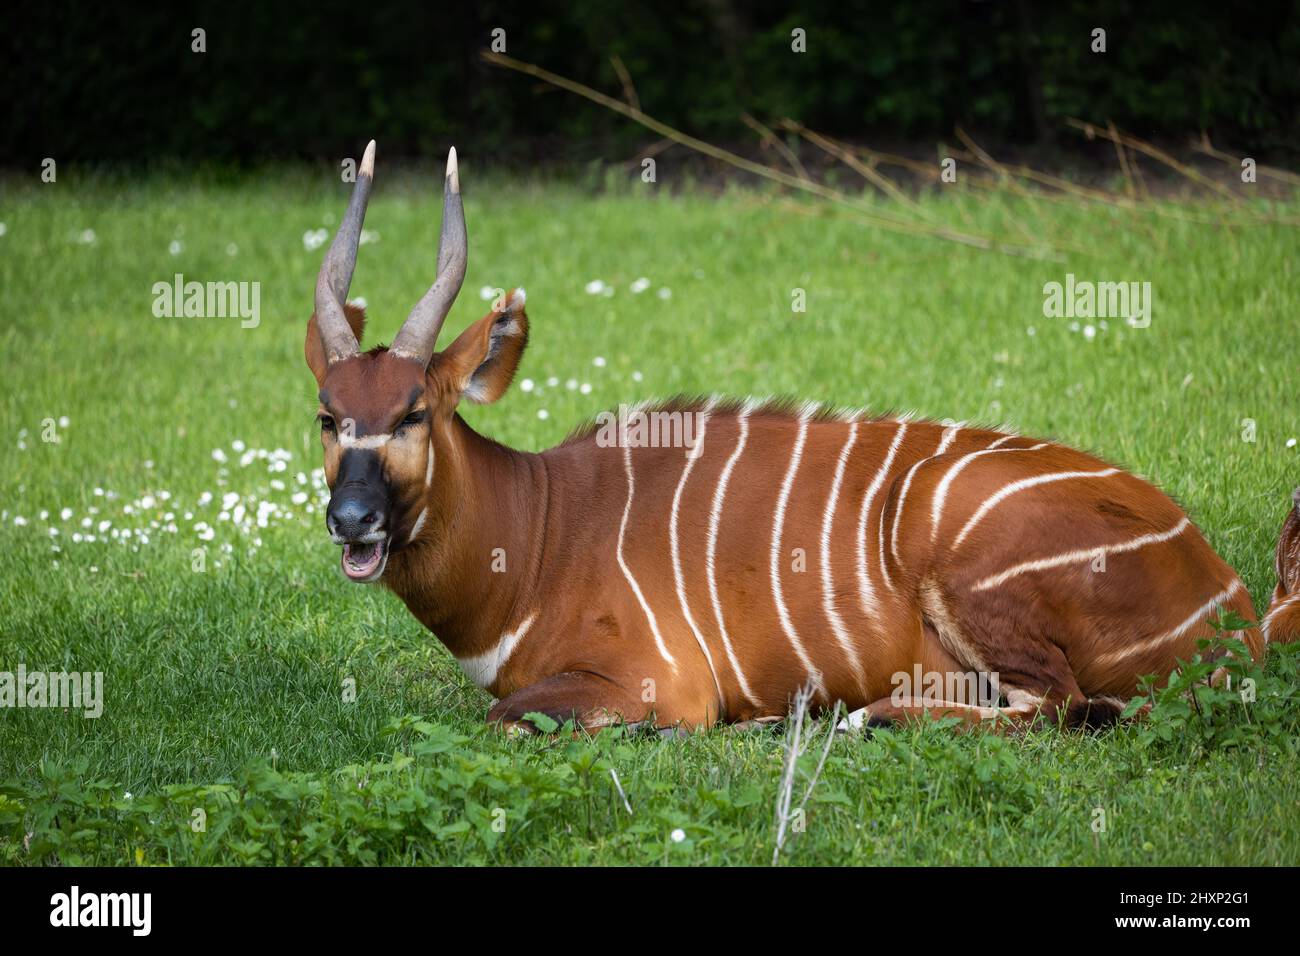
(481, 363)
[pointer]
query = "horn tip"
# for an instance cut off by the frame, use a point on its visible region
(453, 171)
(368, 161)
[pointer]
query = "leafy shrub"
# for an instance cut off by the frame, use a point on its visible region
(1253, 705)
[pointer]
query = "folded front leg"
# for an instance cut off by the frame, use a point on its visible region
(591, 701)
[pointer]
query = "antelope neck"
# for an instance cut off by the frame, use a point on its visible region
(471, 572)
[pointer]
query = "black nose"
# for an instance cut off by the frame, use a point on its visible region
(352, 517)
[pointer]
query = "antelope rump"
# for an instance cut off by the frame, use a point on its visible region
(787, 547)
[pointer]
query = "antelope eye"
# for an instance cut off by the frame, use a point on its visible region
(412, 419)
(326, 423)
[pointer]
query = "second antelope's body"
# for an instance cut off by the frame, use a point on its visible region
(775, 548)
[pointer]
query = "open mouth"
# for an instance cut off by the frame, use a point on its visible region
(364, 560)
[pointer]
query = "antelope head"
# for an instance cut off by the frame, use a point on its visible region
(388, 415)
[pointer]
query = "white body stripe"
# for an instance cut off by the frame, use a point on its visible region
(866, 592)
(1022, 485)
(941, 490)
(898, 510)
(828, 582)
(1081, 555)
(715, 518)
(484, 668)
(1267, 623)
(676, 550)
(778, 529)
(627, 573)
(944, 443)
(949, 437)
(1196, 617)
(428, 468)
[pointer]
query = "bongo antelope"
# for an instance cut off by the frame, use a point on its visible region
(792, 546)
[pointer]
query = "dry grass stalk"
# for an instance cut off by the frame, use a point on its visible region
(1091, 130)
(1272, 172)
(795, 746)
(914, 219)
(771, 139)
(877, 217)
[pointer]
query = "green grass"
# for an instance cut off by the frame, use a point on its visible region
(223, 688)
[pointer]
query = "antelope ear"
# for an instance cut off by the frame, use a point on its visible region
(480, 364)
(315, 351)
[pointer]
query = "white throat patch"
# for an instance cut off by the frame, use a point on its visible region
(483, 668)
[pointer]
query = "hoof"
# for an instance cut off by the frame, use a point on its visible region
(758, 723)
(864, 721)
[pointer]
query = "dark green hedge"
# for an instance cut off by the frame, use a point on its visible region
(98, 82)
